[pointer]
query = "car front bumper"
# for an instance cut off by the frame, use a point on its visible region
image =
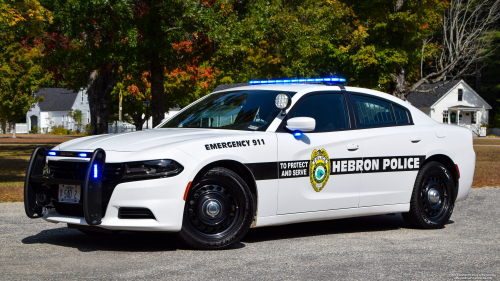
(163, 197)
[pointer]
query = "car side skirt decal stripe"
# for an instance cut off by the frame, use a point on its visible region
(264, 171)
(338, 166)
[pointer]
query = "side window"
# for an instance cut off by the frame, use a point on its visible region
(373, 112)
(401, 116)
(329, 111)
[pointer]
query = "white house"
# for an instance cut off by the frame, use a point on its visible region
(453, 102)
(54, 109)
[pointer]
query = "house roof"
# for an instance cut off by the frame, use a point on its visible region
(464, 107)
(427, 99)
(56, 99)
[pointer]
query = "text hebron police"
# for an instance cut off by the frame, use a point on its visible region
(291, 169)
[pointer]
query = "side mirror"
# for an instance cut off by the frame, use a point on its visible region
(302, 124)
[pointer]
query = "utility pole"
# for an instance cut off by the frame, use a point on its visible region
(120, 113)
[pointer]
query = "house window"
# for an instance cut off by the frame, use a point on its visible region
(88, 117)
(460, 94)
(445, 116)
(82, 96)
(473, 118)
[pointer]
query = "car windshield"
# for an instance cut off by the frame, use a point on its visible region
(251, 110)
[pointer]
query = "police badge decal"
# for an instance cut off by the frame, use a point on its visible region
(319, 169)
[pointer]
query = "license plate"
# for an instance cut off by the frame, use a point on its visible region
(69, 193)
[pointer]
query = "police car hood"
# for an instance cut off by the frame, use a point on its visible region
(146, 140)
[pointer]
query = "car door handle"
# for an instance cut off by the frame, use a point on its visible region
(415, 139)
(352, 147)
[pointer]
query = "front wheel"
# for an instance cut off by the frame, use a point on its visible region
(433, 197)
(218, 212)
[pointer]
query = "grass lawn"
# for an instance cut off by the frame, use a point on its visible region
(487, 141)
(14, 157)
(15, 154)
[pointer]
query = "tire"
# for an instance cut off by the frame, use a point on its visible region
(218, 212)
(433, 198)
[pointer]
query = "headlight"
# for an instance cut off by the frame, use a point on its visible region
(152, 168)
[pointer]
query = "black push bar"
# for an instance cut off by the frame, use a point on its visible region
(35, 168)
(91, 185)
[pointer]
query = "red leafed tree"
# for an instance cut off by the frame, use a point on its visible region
(194, 77)
(90, 41)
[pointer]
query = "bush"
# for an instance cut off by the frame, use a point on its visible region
(35, 130)
(59, 130)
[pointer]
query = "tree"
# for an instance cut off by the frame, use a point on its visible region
(78, 117)
(389, 55)
(135, 90)
(89, 41)
(21, 72)
(487, 81)
(20, 75)
(161, 26)
(467, 33)
(262, 39)
(84, 48)
(23, 18)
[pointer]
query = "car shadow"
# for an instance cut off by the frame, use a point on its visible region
(130, 241)
(125, 241)
(338, 226)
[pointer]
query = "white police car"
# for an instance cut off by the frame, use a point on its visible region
(270, 153)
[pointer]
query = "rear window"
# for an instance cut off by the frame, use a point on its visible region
(373, 112)
(401, 116)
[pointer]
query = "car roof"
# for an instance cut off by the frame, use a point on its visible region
(274, 87)
(306, 88)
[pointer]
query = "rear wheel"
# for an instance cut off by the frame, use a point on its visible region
(218, 212)
(433, 197)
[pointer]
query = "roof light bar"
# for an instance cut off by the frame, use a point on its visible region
(302, 80)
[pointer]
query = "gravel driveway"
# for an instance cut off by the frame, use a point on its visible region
(377, 247)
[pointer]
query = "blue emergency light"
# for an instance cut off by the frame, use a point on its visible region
(83, 155)
(302, 80)
(96, 174)
(52, 153)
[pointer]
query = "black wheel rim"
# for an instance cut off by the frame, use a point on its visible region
(212, 210)
(434, 198)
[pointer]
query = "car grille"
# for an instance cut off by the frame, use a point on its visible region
(76, 171)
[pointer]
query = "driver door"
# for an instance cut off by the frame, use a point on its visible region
(317, 171)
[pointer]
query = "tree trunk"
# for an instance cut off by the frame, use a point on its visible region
(4, 126)
(14, 128)
(157, 91)
(101, 83)
(138, 122)
(398, 87)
